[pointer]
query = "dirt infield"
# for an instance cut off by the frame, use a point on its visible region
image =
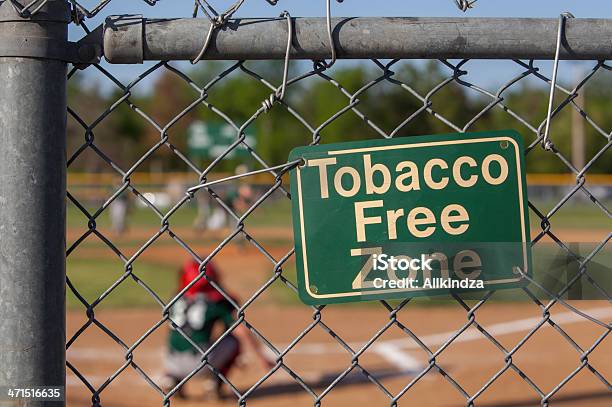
(395, 359)
(546, 358)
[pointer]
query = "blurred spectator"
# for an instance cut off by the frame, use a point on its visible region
(118, 214)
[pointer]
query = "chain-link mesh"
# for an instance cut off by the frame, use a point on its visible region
(358, 102)
(87, 9)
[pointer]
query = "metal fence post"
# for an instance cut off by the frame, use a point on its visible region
(32, 194)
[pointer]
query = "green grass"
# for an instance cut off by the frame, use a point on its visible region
(278, 213)
(137, 217)
(92, 277)
(271, 213)
(573, 215)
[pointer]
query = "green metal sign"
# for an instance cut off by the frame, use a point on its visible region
(209, 140)
(410, 216)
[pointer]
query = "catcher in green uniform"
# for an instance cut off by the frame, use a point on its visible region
(196, 313)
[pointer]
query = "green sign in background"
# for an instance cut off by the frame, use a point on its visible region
(325, 229)
(209, 140)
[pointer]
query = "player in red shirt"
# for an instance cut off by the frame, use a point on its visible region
(196, 313)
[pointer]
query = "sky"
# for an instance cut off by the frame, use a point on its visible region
(488, 73)
(350, 8)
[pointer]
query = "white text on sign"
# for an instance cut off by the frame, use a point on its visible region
(421, 221)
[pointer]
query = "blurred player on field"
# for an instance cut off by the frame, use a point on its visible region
(197, 312)
(118, 214)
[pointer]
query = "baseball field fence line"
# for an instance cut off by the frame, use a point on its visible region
(40, 65)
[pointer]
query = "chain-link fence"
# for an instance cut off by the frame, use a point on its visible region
(355, 90)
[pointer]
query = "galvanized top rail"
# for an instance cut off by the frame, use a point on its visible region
(131, 39)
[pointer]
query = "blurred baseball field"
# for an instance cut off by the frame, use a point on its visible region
(128, 310)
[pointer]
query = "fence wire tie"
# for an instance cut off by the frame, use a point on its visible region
(25, 11)
(216, 22)
(283, 167)
(464, 5)
(330, 37)
(546, 143)
(279, 94)
(197, 5)
(77, 14)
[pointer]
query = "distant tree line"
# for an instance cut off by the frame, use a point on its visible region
(125, 135)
